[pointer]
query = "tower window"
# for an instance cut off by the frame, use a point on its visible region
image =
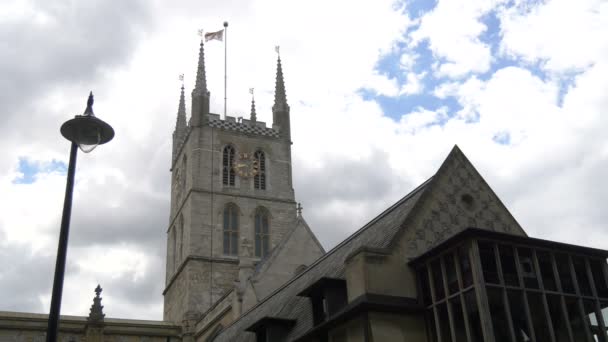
(262, 233)
(231, 230)
(259, 181)
(228, 166)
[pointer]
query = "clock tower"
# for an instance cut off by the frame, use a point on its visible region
(232, 199)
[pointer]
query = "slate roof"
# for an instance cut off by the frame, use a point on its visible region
(284, 302)
(267, 260)
(246, 127)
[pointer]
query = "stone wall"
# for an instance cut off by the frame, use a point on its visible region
(204, 273)
(29, 327)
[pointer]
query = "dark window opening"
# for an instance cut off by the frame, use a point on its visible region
(581, 276)
(228, 166)
(558, 320)
(518, 316)
(450, 273)
(565, 276)
(500, 321)
(444, 323)
(437, 280)
(575, 318)
(597, 270)
(488, 262)
(425, 286)
(431, 328)
(537, 314)
(546, 270)
(465, 267)
(472, 310)
(458, 317)
(507, 262)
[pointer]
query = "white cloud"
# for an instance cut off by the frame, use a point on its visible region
(413, 84)
(563, 35)
(452, 30)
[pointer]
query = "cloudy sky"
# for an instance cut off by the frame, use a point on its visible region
(380, 91)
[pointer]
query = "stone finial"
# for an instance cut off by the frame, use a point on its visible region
(299, 209)
(89, 110)
(181, 112)
(96, 315)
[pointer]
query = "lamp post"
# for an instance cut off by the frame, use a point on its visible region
(85, 131)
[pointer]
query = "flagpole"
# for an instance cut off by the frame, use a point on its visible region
(225, 66)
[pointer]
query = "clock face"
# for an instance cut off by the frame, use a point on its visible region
(246, 166)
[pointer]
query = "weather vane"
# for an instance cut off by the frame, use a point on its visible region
(277, 49)
(200, 33)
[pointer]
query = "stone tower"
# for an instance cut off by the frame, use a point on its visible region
(232, 198)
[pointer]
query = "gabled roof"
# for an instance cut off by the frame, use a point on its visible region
(285, 303)
(428, 215)
(274, 253)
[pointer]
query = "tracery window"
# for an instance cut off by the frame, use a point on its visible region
(231, 230)
(228, 166)
(262, 233)
(259, 181)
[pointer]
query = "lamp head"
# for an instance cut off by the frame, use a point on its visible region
(86, 130)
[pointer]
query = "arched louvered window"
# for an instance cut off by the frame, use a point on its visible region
(259, 181)
(231, 230)
(262, 233)
(227, 166)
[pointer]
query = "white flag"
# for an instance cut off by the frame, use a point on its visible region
(219, 35)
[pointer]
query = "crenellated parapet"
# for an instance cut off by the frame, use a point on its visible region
(242, 125)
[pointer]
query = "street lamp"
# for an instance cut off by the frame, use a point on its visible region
(87, 132)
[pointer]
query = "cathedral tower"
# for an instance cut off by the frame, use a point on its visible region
(232, 198)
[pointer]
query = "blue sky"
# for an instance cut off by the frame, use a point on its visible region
(426, 62)
(29, 169)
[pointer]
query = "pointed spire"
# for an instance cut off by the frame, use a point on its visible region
(253, 117)
(280, 99)
(181, 112)
(96, 315)
(200, 94)
(280, 109)
(201, 77)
